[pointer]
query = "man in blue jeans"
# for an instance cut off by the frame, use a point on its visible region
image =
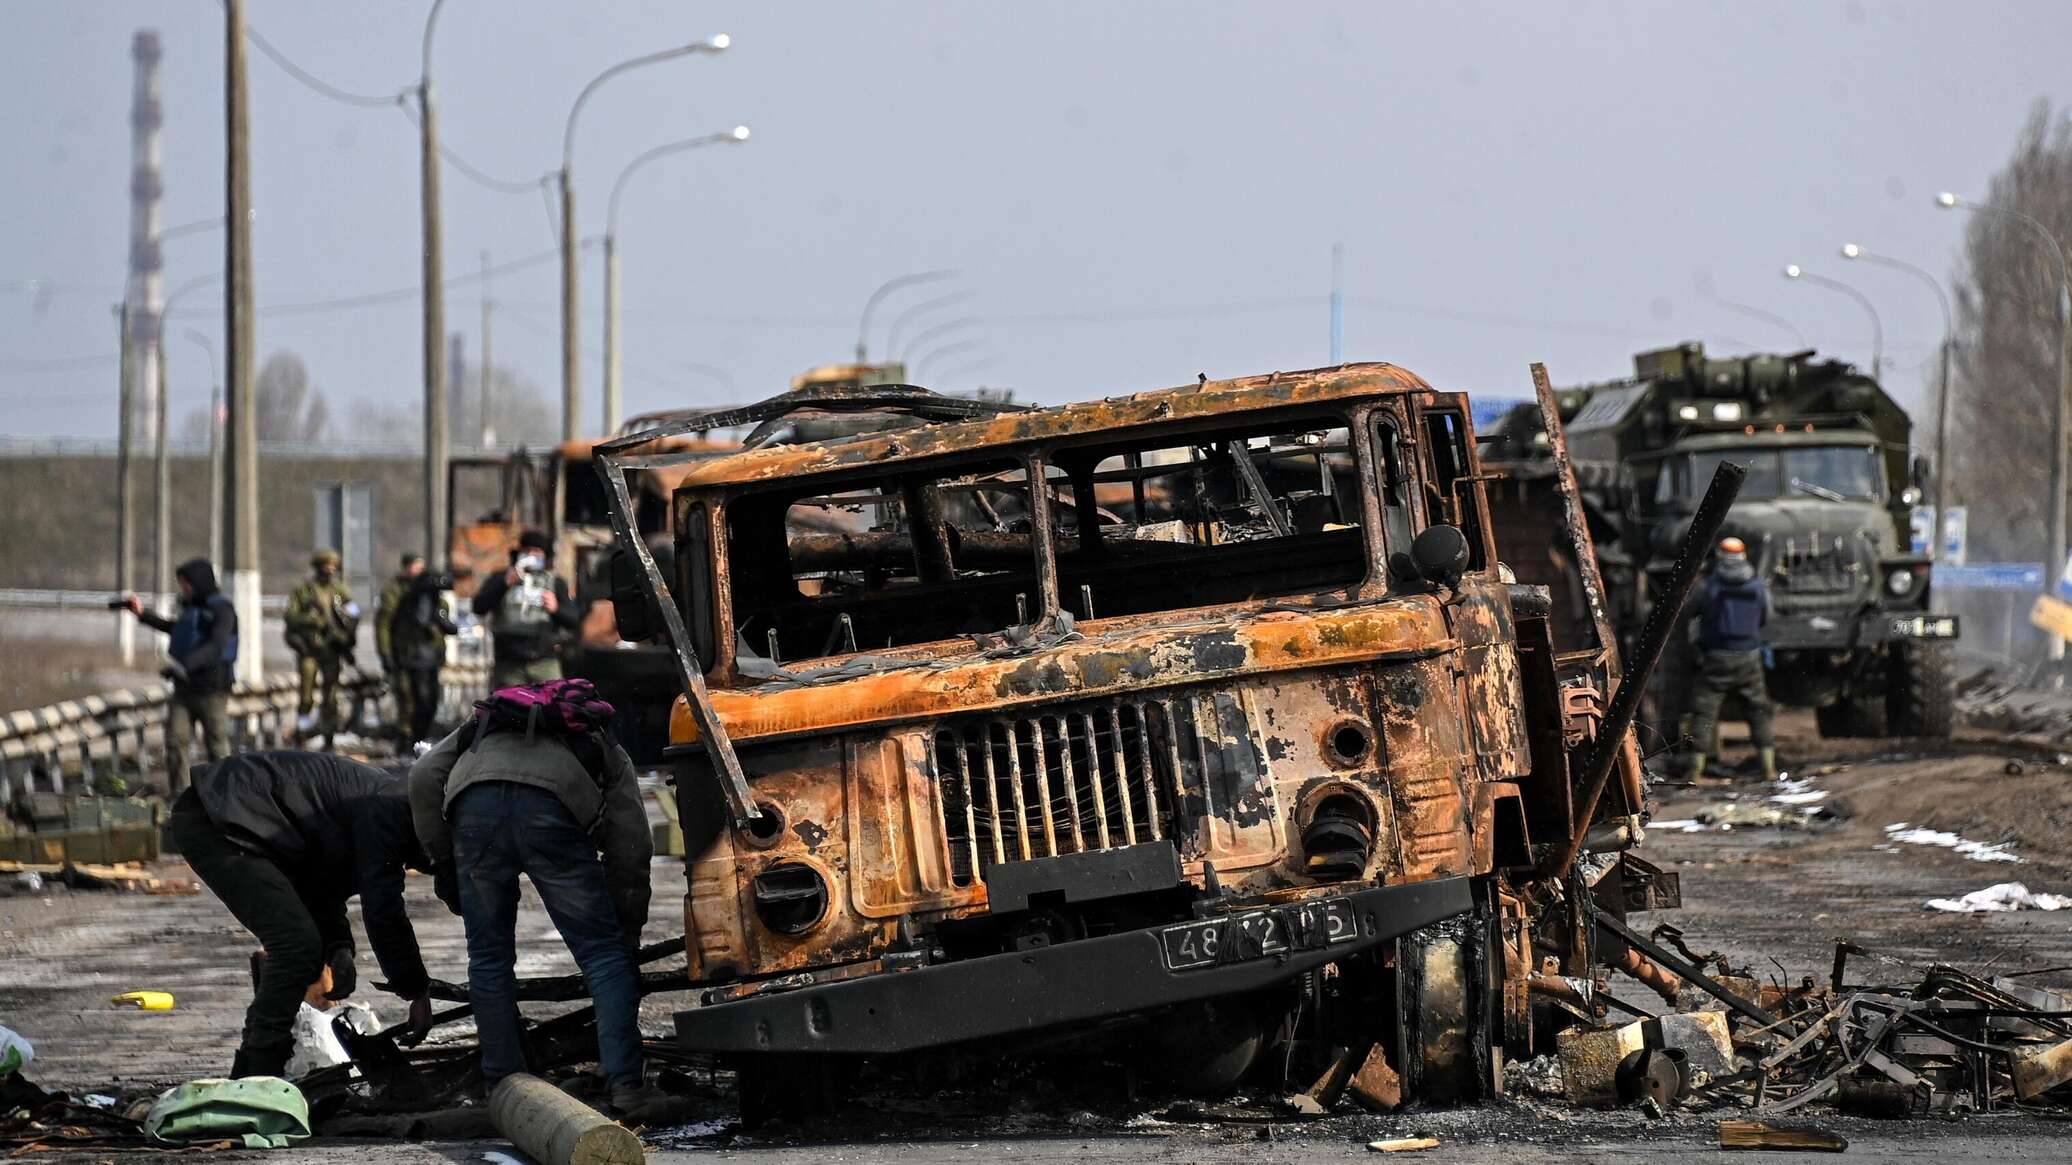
(534, 785)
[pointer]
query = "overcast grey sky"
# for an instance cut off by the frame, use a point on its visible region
(1134, 192)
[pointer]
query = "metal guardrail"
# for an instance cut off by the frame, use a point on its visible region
(122, 734)
(51, 600)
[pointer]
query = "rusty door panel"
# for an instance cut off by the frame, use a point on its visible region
(1417, 706)
(1489, 665)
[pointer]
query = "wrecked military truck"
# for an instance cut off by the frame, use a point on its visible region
(1208, 710)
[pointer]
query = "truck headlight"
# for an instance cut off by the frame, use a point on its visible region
(1900, 582)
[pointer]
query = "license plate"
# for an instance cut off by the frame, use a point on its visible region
(1259, 934)
(1924, 627)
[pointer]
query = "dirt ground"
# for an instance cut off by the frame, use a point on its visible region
(1760, 894)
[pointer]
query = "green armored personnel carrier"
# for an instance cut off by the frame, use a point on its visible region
(1824, 511)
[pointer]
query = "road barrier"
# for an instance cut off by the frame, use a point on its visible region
(122, 734)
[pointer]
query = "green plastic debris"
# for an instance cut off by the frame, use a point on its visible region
(263, 1112)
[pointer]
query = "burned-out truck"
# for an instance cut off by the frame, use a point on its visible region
(1206, 713)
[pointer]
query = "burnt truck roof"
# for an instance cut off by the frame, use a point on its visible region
(1038, 425)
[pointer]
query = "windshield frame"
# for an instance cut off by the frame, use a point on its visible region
(1770, 477)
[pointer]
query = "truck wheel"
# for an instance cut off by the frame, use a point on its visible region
(1853, 716)
(1920, 697)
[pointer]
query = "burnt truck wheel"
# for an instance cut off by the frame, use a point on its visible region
(1920, 696)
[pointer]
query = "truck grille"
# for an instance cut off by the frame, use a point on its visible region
(1813, 567)
(1076, 780)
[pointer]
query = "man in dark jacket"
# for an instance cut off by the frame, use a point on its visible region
(203, 646)
(529, 610)
(417, 634)
(284, 839)
(503, 796)
(1732, 611)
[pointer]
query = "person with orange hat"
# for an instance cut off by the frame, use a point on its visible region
(1732, 611)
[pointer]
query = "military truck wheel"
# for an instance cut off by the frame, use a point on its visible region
(1920, 697)
(1850, 717)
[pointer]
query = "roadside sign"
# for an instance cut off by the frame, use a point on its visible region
(1989, 576)
(1920, 528)
(2053, 615)
(1956, 521)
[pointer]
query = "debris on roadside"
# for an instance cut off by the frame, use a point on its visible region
(1735, 1134)
(1403, 1144)
(1977, 851)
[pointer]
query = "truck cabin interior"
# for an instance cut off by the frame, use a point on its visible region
(1256, 507)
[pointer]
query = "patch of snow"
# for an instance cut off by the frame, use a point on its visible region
(1802, 797)
(2004, 897)
(1679, 825)
(1977, 851)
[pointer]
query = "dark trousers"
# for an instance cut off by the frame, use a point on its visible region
(261, 896)
(187, 710)
(1730, 673)
(501, 830)
(417, 691)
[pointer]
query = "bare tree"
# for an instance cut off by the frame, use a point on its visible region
(288, 407)
(2006, 383)
(519, 413)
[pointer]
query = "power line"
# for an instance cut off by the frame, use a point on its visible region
(376, 298)
(467, 169)
(315, 83)
(59, 363)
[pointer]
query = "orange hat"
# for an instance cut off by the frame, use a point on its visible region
(1732, 546)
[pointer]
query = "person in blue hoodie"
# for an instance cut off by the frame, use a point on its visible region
(201, 648)
(1732, 610)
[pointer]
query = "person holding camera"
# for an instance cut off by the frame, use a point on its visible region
(416, 637)
(202, 648)
(529, 610)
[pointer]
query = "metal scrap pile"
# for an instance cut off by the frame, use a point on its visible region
(1944, 1043)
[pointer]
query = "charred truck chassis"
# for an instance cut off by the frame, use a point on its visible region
(1235, 721)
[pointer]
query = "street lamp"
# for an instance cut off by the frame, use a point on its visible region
(932, 356)
(571, 373)
(1942, 393)
(611, 258)
(1794, 271)
(900, 321)
(2058, 467)
(947, 327)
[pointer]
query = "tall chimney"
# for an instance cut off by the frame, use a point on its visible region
(146, 288)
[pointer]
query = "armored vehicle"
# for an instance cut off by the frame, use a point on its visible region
(1206, 717)
(1824, 511)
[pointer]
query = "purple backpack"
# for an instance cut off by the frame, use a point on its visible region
(567, 708)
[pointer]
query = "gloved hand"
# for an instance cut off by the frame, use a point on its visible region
(420, 1021)
(343, 977)
(446, 884)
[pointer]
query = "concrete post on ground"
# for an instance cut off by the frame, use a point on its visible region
(241, 463)
(555, 1128)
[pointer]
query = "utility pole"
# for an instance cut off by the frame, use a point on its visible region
(1337, 304)
(241, 493)
(488, 426)
(435, 416)
(162, 473)
(146, 292)
(611, 334)
(571, 368)
(125, 485)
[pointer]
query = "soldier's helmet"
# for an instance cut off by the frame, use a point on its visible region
(324, 558)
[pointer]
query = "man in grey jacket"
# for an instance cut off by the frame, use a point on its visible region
(534, 785)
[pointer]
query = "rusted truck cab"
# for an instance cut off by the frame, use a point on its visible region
(1078, 712)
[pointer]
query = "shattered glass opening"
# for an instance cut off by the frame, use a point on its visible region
(1242, 512)
(867, 563)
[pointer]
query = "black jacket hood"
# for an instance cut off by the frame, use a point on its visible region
(200, 575)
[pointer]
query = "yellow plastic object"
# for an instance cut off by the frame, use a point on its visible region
(145, 1000)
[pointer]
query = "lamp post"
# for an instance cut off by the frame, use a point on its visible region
(1942, 390)
(929, 335)
(215, 447)
(900, 321)
(571, 341)
(1794, 271)
(2058, 455)
(611, 259)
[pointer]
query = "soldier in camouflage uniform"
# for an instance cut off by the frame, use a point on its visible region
(323, 621)
(385, 609)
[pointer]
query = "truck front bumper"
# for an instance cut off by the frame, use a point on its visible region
(1847, 633)
(1022, 991)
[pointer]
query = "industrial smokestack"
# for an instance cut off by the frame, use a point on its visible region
(146, 288)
